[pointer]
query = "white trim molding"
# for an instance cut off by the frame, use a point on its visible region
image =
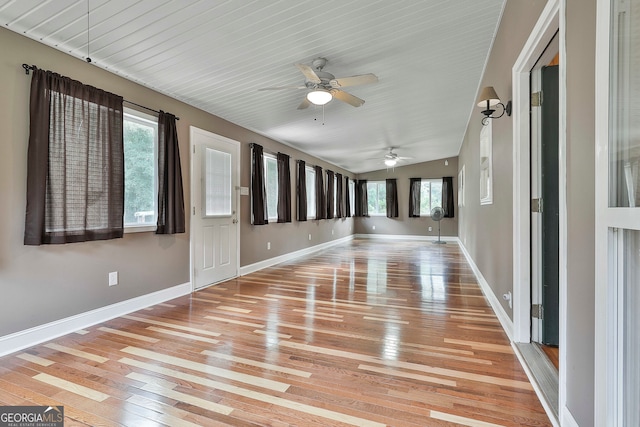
(541, 35)
(251, 268)
(503, 317)
(39, 334)
(406, 237)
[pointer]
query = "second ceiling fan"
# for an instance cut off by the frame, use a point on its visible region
(324, 86)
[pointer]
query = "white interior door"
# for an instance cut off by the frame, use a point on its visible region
(215, 181)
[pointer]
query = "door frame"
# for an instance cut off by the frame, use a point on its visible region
(552, 20)
(192, 148)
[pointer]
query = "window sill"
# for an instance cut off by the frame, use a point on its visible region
(139, 229)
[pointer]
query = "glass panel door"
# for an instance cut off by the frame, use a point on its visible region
(618, 213)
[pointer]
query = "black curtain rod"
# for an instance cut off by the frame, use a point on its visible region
(28, 68)
(146, 108)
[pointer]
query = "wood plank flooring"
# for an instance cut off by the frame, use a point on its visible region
(364, 334)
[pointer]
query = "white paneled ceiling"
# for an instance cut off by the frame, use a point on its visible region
(429, 56)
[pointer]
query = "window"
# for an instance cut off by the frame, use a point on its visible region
(140, 133)
(352, 197)
(377, 197)
(311, 192)
(430, 195)
(217, 183)
(335, 196)
(486, 167)
(271, 185)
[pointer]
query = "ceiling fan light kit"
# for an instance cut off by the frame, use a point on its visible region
(319, 96)
(489, 99)
(390, 162)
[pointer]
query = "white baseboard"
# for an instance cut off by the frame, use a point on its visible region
(39, 334)
(567, 419)
(503, 317)
(251, 268)
(406, 237)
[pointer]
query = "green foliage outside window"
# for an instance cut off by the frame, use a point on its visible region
(377, 197)
(140, 159)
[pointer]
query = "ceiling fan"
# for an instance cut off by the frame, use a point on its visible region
(391, 158)
(324, 86)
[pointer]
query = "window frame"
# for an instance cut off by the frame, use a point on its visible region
(352, 197)
(139, 117)
(270, 158)
(430, 181)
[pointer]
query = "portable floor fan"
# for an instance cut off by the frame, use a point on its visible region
(437, 214)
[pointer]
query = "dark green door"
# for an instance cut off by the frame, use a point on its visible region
(550, 205)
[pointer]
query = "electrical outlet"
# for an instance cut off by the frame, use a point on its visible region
(430, 228)
(113, 278)
(268, 246)
(309, 236)
(332, 232)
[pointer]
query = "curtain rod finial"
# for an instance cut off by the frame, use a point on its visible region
(28, 68)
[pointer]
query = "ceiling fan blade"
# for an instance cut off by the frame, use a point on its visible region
(362, 79)
(304, 104)
(347, 97)
(282, 87)
(309, 73)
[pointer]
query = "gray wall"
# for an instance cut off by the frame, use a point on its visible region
(403, 225)
(580, 62)
(51, 282)
(486, 231)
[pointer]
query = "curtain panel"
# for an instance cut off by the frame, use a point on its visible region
(392, 198)
(301, 190)
(447, 197)
(414, 197)
(258, 190)
(75, 162)
(171, 217)
(339, 197)
(284, 188)
(347, 198)
(321, 201)
(330, 193)
(362, 202)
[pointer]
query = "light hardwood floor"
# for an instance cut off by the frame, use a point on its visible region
(368, 334)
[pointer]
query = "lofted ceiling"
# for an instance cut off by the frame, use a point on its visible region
(429, 56)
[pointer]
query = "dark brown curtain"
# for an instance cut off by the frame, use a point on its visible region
(170, 196)
(258, 191)
(362, 202)
(284, 188)
(339, 197)
(321, 201)
(392, 198)
(75, 165)
(347, 197)
(447, 196)
(330, 190)
(301, 193)
(414, 197)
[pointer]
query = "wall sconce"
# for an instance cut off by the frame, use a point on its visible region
(488, 99)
